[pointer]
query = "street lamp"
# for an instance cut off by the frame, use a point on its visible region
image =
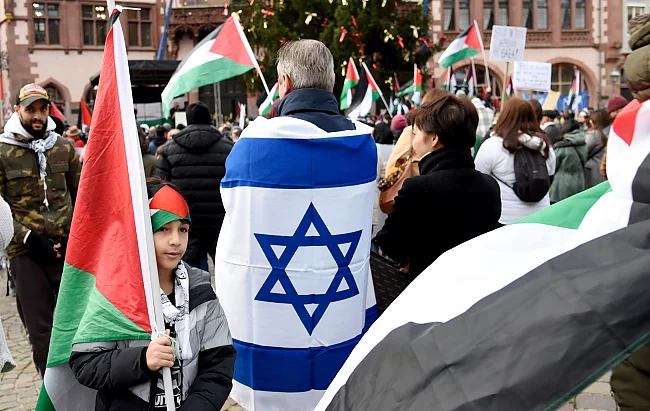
(615, 76)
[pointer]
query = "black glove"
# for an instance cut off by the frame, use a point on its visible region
(41, 245)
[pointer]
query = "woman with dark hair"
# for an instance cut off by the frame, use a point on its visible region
(571, 156)
(596, 140)
(449, 202)
(516, 129)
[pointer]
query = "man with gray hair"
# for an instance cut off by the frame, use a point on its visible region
(305, 84)
(292, 268)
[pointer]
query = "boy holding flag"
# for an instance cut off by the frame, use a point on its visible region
(198, 347)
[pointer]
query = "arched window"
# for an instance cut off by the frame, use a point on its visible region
(461, 73)
(562, 78)
(56, 96)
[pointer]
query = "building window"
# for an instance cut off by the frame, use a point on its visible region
(194, 2)
(565, 6)
(94, 24)
(463, 15)
(450, 15)
(581, 14)
(527, 14)
(532, 9)
(498, 9)
(47, 23)
(456, 15)
(562, 79)
(542, 15)
(488, 14)
(574, 14)
(56, 96)
(632, 9)
(139, 27)
(503, 13)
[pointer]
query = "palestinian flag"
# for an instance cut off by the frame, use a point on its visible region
(272, 97)
(450, 80)
(223, 54)
(416, 87)
(466, 45)
(371, 92)
(395, 84)
(563, 293)
(473, 85)
(351, 81)
(510, 89)
(105, 291)
(575, 90)
(55, 112)
(85, 116)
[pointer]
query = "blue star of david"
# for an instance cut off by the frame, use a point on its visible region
(292, 244)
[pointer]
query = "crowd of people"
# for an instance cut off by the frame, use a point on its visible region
(447, 171)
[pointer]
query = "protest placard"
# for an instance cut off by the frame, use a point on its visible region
(532, 75)
(507, 43)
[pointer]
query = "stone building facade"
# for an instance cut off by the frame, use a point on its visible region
(566, 33)
(59, 44)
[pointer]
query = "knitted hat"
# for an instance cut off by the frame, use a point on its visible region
(398, 122)
(615, 103)
(166, 205)
(198, 113)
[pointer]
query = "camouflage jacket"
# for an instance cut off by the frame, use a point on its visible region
(22, 188)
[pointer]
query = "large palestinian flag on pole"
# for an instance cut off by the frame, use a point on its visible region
(105, 291)
(223, 54)
(466, 45)
(526, 316)
(351, 81)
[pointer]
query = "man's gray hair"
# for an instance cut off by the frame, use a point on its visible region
(308, 63)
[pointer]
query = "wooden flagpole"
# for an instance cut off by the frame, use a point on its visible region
(153, 275)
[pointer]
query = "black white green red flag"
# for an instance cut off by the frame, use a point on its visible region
(575, 90)
(105, 292)
(416, 87)
(371, 92)
(85, 116)
(466, 45)
(351, 81)
(526, 316)
(267, 104)
(222, 54)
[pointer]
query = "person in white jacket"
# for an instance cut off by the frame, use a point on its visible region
(7, 363)
(517, 127)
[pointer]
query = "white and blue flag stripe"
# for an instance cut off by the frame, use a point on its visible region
(292, 264)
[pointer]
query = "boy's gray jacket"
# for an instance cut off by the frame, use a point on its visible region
(118, 369)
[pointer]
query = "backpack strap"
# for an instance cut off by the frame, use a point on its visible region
(498, 179)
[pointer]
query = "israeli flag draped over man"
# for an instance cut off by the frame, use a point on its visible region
(292, 262)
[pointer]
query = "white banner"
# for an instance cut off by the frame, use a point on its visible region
(532, 75)
(507, 43)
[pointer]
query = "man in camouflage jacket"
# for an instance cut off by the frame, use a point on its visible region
(39, 175)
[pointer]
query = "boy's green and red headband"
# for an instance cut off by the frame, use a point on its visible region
(167, 205)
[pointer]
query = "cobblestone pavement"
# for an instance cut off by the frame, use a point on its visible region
(19, 388)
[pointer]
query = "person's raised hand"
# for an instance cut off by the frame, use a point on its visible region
(160, 353)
